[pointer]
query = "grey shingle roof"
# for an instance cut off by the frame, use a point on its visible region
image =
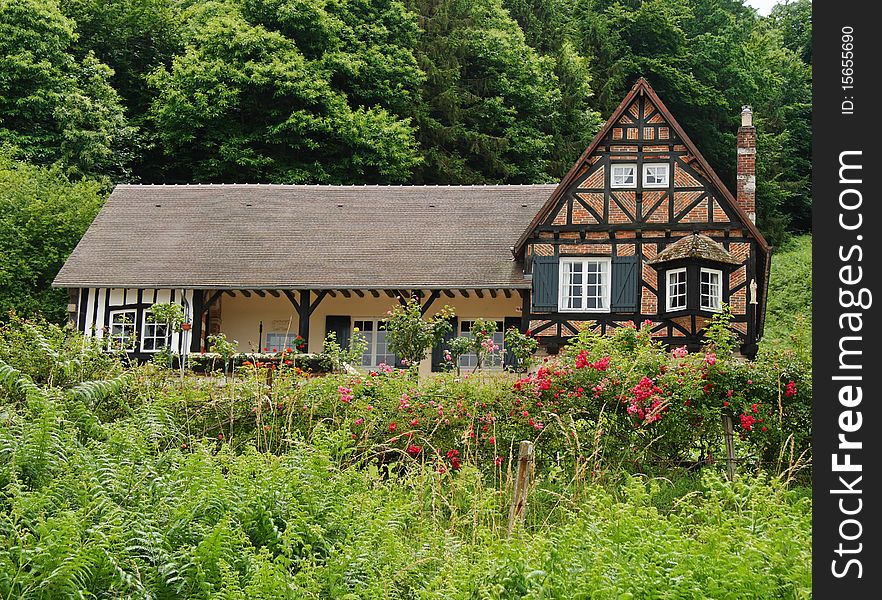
(695, 246)
(302, 236)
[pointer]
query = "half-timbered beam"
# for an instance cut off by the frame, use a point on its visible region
(464, 293)
(214, 298)
(479, 293)
(231, 293)
(390, 293)
(274, 293)
(359, 293)
(293, 299)
(332, 293)
(492, 293)
(375, 293)
(448, 293)
(260, 293)
(346, 293)
(246, 293)
(507, 293)
(428, 303)
(318, 300)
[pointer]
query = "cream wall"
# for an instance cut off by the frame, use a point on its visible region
(241, 316)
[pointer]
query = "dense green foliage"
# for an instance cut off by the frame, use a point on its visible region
(128, 482)
(440, 91)
(43, 214)
(789, 310)
(392, 91)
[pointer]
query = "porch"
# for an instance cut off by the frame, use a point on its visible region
(268, 320)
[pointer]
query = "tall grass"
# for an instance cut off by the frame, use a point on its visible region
(113, 486)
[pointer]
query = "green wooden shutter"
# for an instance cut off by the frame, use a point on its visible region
(340, 325)
(545, 283)
(624, 284)
(438, 351)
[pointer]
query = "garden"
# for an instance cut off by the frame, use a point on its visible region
(262, 479)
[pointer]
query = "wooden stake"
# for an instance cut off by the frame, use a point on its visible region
(729, 434)
(522, 484)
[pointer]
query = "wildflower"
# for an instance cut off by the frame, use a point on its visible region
(404, 362)
(413, 449)
(497, 461)
(220, 436)
(447, 356)
(345, 394)
(680, 352)
(393, 426)
(369, 407)
(492, 440)
(791, 389)
(710, 358)
(289, 350)
(359, 421)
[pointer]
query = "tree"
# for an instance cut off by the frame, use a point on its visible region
(54, 107)
(707, 58)
(247, 103)
(43, 214)
(487, 97)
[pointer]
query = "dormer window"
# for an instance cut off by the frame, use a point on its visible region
(655, 175)
(623, 176)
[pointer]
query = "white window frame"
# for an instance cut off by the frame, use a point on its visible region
(718, 296)
(497, 359)
(612, 175)
(288, 338)
(667, 170)
(371, 351)
(564, 285)
(130, 324)
(669, 305)
(147, 323)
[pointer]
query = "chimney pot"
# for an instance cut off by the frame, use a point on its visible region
(746, 116)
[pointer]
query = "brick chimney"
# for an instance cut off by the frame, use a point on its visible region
(746, 183)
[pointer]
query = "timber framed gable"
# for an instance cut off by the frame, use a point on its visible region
(640, 187)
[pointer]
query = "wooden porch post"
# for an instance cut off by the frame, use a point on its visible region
(198, 314)
(525, 310)
(305, 312)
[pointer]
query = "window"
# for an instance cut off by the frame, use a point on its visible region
(584, 285)
(374, 332)
(470, 360)
(155, 335)
(279, 342)
(623, 176)
(122, 330)
(676, 289)
(711, 295)
(655, 175)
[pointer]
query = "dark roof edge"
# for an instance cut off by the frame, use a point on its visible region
(165, 285)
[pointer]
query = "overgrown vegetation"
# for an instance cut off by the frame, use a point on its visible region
(789, 310)
(128, 481)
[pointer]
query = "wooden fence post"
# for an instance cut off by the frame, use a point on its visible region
(729, 434)
(522, 483)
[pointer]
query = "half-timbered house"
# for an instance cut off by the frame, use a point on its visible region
(640, 229)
